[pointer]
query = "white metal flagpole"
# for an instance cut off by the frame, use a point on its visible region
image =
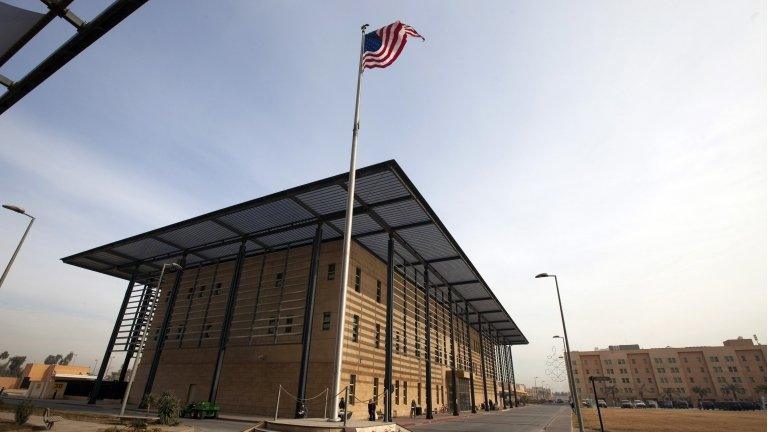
(347, 240)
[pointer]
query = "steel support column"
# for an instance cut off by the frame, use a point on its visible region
(470, 360)
(512, 373)
(389, 330)
(493, 372)
(482, 361)
(309, 308)
(428, 342)
(223, 338)
(164, 328)
(454, 386)
(111, 344)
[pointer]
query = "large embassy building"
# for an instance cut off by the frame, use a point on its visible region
(254, 306)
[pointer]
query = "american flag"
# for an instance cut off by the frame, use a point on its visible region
(383, 46)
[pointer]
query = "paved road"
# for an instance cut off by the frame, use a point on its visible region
(532, 418)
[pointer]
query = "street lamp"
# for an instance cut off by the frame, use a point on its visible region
(144, 337)
(567, 351)
(19, 210)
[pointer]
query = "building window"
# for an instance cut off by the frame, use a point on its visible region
(326, 321)
(217, 289)
(271, 325)
(207, 333)
(397, 392)
(378, 335)
(378, 291)
(352, 382)
(331, 271)
(201, 290)
(418, 392)
(191, 293)
(278, 279)
(355, 327)
(375, 388)
(288, 325)
(405, 391)
(357, 279)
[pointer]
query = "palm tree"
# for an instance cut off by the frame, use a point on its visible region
(730, 388)
(669, 393)
(702, 392)
(760, 389)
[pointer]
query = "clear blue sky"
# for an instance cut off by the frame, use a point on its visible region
(621, 145)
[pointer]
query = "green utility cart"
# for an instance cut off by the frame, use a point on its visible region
(200, 410)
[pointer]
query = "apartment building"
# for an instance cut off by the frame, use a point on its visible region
(673, 373)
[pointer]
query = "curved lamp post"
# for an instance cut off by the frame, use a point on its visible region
(19, 210)
(567, 352)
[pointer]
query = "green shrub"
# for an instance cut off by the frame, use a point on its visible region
(168, 408)
(23, 411)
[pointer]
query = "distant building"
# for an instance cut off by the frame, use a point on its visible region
(540, 393)
(672, 373)
(54, 381)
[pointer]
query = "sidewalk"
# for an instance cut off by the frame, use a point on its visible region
(445, 417)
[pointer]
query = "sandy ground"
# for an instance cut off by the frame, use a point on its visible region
(669, 420)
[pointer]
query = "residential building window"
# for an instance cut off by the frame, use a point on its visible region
(357, 279)
(355, 327)
(331, 272)
(352, 382)
(326, 321)
(378, 291)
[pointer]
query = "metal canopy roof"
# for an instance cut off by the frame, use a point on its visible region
(386, 202)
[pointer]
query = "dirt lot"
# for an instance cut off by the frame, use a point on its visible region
(667, 420)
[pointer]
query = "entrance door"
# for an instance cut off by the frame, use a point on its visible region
(465, 403)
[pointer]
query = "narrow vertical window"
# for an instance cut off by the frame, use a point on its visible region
(278, 279)
(378, 291)
(326, 321)
(272, 323)
(378, 335)
(355, 327)
(405, 391)
(397, 392)
(352, 385)
(331, 271)
(375, 388)
(357, 279)
(288, 324)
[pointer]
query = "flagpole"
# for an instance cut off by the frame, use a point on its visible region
(347, 241)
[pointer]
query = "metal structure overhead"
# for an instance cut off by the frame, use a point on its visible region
(87, 34)
(386, 204)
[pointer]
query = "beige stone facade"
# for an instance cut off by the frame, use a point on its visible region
(263, 350)
(664, 373)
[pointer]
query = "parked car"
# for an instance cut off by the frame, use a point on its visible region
(638, 403)
(667, 404)
(651, 404)
(586, 403)
(601, 403)
(626, 404)
(707, 405)
(680, 404)
(559, 401)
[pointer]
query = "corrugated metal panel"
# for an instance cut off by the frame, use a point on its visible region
(266, 216)
(198, 234)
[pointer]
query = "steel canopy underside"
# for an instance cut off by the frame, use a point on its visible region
(386, 202)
